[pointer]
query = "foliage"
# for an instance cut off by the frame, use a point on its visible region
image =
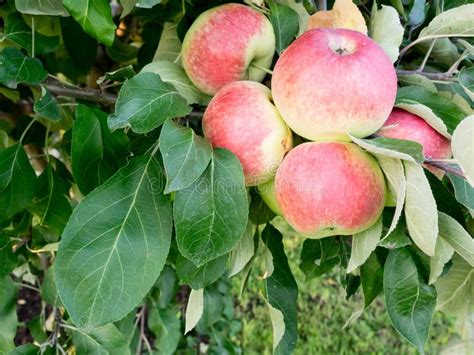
(126, 232)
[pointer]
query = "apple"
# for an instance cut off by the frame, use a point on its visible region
(332, 82)
(242, 118)
(330, 188)
(405, 125)
(228, 43)
(267, 192)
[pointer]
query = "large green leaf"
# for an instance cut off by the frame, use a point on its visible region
(457, 22)
(363, 244)
(16, 68)
(145, 102)
(211, 214)
(185, 155)
(319, 256)
(200, 277)
(457, 237)
(420, 209)
(456, 289)
(17, 181)
(17, 31)
(285, 23)
(392, 148)
(115, 245)
(169, 46)
(463, 147)
(371, 274)
(7, 314)
(387, 30)
(431, 106)
(50, 204)
(95, 17)
(41, 7)
(104, 340)
(172, 73)
(96, 152)
(166, 325)
(410, 301)
(281, 294)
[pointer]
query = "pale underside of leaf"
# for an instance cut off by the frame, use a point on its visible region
(363, 244)
(194, 309)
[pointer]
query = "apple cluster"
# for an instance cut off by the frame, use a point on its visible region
(328, 85)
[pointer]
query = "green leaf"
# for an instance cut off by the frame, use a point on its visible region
(443, 253)
(95, 17)
(47, 106)
(396, 183)
(392, 148)
(121, 51)
(96, 152)
(175, 75)
(243, 251)
(466, 79)
(387, 31)
(185, 155)
(410, 301)
(363, 244)
(417, 80)
(17, 181)
(17, 31)
(50, 204)
(371, 274)
(194, 309)
(147, 4)
(7, 314)
(119, 75)
(49, 291)
(145, 102)
(169, 46)
(115, 245)
(457, 237)
(16, 68)
(127, 6)
(439, 112)
(281, 294)
(463, 148)
(457, 22)
(8, 260)
(211, 214)
(285, 23)
(200, 277)
(396, 239)
(166, 326)
(464, 192)
(102, 341)
(420, 209)
(455, 289)
(318, 256)
(41, 7)
(299, 8)
(417, 13)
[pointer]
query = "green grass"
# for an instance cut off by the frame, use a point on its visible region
(322, 313)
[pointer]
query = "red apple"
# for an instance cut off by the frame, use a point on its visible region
(330, 188)
(331, 82)
(242, 118)
(405, 125)
(227, 43)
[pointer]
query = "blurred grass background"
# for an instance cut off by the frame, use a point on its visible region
(322, 312)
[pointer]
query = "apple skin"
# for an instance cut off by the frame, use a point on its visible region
(242, 118)
(330, 188)
(405, 125)
(223, 42)
(324, 95)
(267, 192)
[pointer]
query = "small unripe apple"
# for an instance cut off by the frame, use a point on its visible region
(330, 188)
(405, 125)
(267, 192)
(242, 118)
(227, 43)
(332, 82)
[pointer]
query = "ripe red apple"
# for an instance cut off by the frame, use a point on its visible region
(242, 118)
(330, 188)
(227, 43)
(405, 125)
(331, 82)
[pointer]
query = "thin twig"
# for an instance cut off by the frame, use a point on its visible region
(427, 56)
(322, 5)
(445, 167)
(26, 286)
(446, 76)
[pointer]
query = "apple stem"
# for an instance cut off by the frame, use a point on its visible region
(266, 70)
(322, 5)
(446, 76)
